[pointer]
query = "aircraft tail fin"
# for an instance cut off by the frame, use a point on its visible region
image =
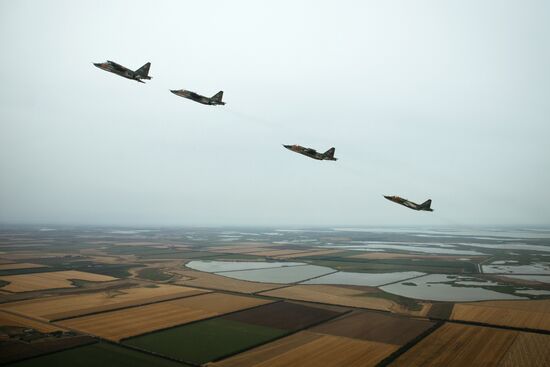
(330, 153)
(426, 204)
(218, 96)
(143, 72)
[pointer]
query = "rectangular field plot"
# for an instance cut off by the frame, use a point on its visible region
(376, 326)
(50, 280)
(55, 308)
(120, 324)
(311, 349)
(205, 341)
(465, 345)
(99, 354)
(286, 315)
(520, 314)
(213, 339)
(8, 319)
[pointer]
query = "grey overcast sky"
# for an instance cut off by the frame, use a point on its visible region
(447, 100)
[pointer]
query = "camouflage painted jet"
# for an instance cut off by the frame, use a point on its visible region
(409, 204)
(113, 67)
(312, 153)
(215, 100)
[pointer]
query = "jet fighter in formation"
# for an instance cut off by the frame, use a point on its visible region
(312, 153)
(409, 204)
(215, 100)
(113, 67)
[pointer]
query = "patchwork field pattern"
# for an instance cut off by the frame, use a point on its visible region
(345, 296)
(51, 280)
(465, 345)
(521, 314)
(120, 324)
(55, 308)
(376, 326)
(312, 349)
(201, 279)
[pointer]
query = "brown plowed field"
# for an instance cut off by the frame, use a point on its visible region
(376, 326)
(284, 315)
(54, 279)
(54, 308)
(459, 345)
(14, 266)
(7, 318)
(116, 325)
(343, 296)
(521, 314)
(310, 349)
(213, 281)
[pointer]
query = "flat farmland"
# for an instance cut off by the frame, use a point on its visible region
(201, 279)
(50, 280)
(344, 296)
(308, 253)
(14, 266)
(9, 319)
(120, 324)
(461, 345)
(99, 354)
(207, 340)
(285, 315)
(311, 349)
(54, 308)
(520, 314)
(529, 349)
(376, 326)
(274, 253)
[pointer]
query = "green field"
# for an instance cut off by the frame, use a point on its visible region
(99, 354)
(154, 274)
(205, 341)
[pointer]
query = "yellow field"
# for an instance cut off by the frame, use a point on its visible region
(14, 266)
(8, 319)
(459, 345)
(54, 279)
(213, 281)
(522, 314)
(529, 349)
(312, 349)
(53, 308)
(342, 296)
(120, 324)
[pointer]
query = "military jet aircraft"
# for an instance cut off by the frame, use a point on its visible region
(409, 204)
(113, 67)
(312, 153)
(215, 100)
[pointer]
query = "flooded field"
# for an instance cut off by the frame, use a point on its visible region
(367, 279)
(284, 275)
(221, 266)
(442, 287)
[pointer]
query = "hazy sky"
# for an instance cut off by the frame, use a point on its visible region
(447, 100)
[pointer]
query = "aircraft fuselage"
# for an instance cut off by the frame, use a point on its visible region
(409, 204)
(311, 153)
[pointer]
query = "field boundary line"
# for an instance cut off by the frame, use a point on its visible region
(195, 321)
(402, 280)
(407, 346)
(289, 333)
(503, 327)
(126, 307)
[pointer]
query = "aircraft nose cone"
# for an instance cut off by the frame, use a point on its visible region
(287, 146)
(97, 64)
